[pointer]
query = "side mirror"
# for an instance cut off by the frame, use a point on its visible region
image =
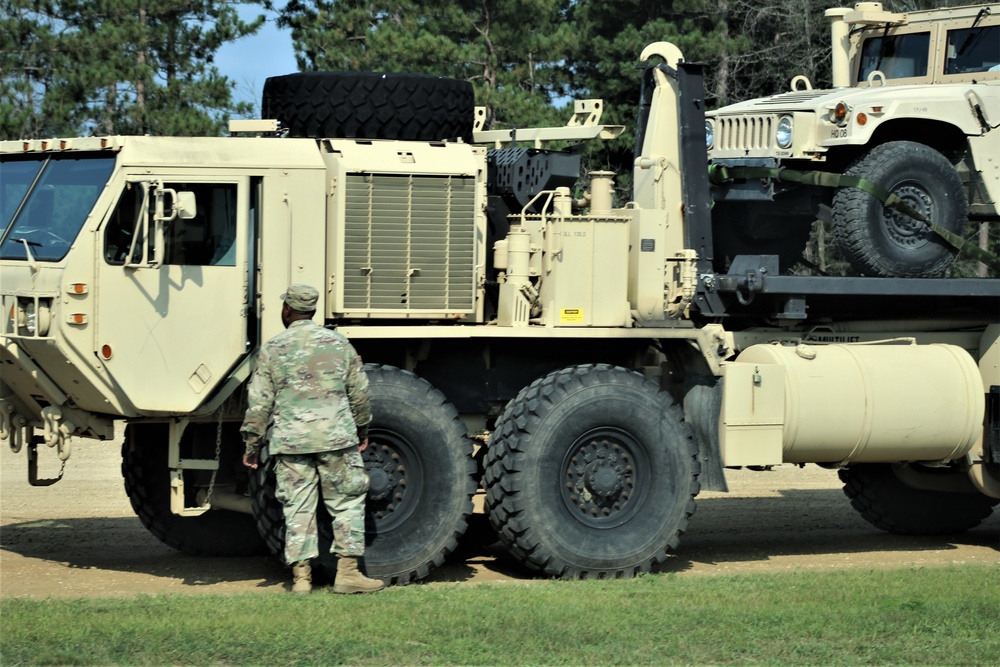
(182, 205)
(168, 205)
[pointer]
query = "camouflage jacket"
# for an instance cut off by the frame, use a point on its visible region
(310, 388)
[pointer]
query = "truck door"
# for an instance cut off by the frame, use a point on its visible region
(174, 277)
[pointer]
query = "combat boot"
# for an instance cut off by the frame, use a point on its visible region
(350, 580)
(301, 577)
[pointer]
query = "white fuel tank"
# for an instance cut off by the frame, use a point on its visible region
(853, 403)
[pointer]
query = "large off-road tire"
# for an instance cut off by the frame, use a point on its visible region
(879, 241)
(751, 229)
(592, 472)
(884, 501)
(147, 483)
(419, 460)
(365, 105)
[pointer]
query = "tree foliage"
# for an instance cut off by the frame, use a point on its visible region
(115, 66)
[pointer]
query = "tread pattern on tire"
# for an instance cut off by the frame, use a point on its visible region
(853, 210)
(270, 518)
(887, 503)
(366, 105)
(505, 460)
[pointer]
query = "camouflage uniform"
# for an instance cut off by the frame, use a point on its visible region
(310, 382)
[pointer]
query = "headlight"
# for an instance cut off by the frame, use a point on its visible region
(23, 315)
(709, 134)
(30, 320)
(783, 135)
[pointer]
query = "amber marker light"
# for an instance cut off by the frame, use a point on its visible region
(106, 351)
(862, 119)
(840, 112)
(77, 318)
(78, 288)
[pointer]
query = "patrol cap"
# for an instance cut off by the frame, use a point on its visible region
(301, 298)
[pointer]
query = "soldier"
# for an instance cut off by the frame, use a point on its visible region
(310, 383)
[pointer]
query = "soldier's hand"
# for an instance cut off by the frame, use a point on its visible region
(362, 444)
(251, 459)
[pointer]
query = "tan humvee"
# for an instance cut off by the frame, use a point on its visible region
(914, 107)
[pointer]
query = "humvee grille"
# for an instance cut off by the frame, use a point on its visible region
(745, 133)
(409, 245)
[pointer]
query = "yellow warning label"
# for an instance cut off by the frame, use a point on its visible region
(571, 315)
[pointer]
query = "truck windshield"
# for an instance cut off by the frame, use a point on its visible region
(896, 56)
(45, 201)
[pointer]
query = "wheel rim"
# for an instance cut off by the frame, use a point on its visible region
(605, 478)
(396, 478)
(903, 230)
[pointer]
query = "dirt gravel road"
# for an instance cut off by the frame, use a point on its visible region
(79, 538)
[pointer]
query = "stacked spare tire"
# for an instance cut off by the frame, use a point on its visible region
(367, 105)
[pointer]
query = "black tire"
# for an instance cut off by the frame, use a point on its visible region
(884, 501)
(599, 437)
(366, 105)
(749, 229)
(879, 241)
(147, 483)
(419, 460)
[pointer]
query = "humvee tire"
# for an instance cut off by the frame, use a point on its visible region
(878, 241)
(592, 473)
(366, 105)
(147, 483)
(419, 461)
(884, 501)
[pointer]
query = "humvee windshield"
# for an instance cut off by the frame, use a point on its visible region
(44, 202)
(896, 56)
(973, 50)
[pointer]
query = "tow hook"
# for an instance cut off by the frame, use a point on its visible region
(57, 434)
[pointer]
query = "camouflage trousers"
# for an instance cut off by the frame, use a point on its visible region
(341, 479)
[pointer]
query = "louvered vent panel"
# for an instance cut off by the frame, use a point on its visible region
(745, 132)
(410, 244)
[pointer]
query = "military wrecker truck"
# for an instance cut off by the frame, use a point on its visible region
(914, 110)
(583, 366)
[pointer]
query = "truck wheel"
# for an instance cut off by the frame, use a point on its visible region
(592, 473)
(366, 105)
(887, 503)
(419, 460)
(147, 483)
(879, 241)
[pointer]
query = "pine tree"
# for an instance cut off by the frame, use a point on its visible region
(118, 66)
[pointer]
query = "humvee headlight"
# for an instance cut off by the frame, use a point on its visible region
(783, 135)
(709, 134)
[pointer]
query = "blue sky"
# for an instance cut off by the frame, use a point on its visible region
(252, 59)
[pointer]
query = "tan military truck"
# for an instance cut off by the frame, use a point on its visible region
(584, 365)
(914, 109)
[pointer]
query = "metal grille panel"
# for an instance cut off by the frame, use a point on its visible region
(740, 133)
(409, 244)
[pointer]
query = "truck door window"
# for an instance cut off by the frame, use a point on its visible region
(973, 50)
(44, 204)
(896, 56)
(207, 239)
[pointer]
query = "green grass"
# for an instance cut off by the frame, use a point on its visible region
(948, 616)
